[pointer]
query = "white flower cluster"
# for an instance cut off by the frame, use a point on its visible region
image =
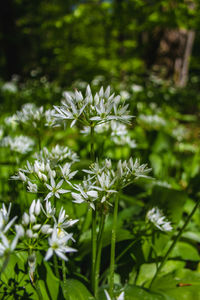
(56, 154)
(153, 121)
(117, 131)
(98, 109)
(45, 175)
(103, 180)
(155, 216)
(40, 223)
(6, 245)
(21, 144)
(120, 297)
(32, 115)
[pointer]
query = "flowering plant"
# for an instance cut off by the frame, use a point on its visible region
(78, 220)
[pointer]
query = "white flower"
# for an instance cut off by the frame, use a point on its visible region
(101, 108)
(152, 120)
(50, 211)
(84, 195)
(66, 172)
(46, 229)
(72, 108)
(136, 88)
(30, 114)
(6, 246)
(9, 86)
(35, 207)
(58, 244)
(25, 219)
(56, 154)
(55, 189)
(137, 169)
(4, 219)
(29, 233)
(62, 222)
(106, 182)
(19, 230)
(32, 187)
(156, 217)
(120, 297)
(21, 144)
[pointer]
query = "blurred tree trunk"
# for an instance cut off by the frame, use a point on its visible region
(182, 72)
(171, 50)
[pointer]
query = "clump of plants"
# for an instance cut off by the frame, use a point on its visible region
(80, 226)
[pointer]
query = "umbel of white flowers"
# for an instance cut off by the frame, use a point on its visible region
(95, 110)
(155, 216)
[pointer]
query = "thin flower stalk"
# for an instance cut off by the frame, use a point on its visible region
(113, 244)
(99, 251)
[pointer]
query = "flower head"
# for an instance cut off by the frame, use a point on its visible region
(58, 245)
(156, 217)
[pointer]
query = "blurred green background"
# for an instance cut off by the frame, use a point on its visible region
(64, 41)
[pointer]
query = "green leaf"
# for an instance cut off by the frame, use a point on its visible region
(76, 290)
(191, 235)
(146, 272)
(138, 293)
(49, 284)
(182, 284)
(185, 251)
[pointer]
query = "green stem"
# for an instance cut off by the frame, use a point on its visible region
(126, 249)
(65, 287)
(55, 261)
(92, 153)
(38, 290)
(113, 242)
(94, 248)
(64, 271)
(39, 139)
(98, 257)
(174, 242)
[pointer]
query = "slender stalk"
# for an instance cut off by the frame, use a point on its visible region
(94, 248)
(94, 218)
(98, 257)
(174, 242)
(64, 271)
(39, 139)
(126, 249)
(92, 152)
(113, 242)
(65, 288)
(55, 261)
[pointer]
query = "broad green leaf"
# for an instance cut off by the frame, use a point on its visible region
(182, 284)
(48, 282)
(185, 251)
(146, 272)
(76, 290)
(191, 235)
(138, 293)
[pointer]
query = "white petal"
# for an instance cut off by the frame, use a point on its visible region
(48, 254)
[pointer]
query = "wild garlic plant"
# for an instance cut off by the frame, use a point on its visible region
(104, 180)
(41, 228)
(52, 175)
